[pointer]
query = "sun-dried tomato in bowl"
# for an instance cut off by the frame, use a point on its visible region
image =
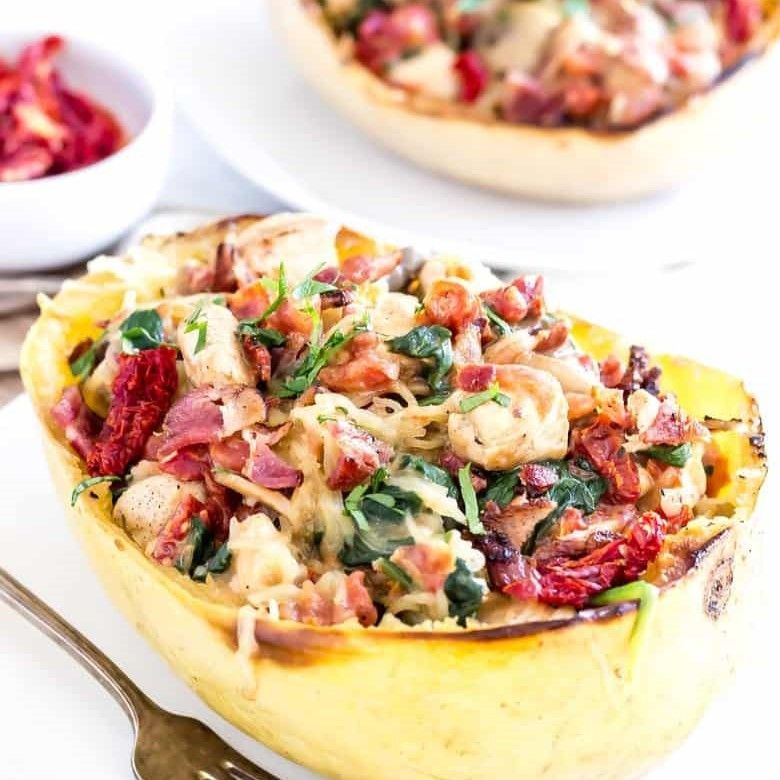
(47, 128)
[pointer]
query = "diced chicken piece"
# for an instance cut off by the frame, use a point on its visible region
(521, 37)
(394, 314)
(262, 556)
(533, 426)
(430, 72)
(221, 360)
(146, 506)
(302, 242)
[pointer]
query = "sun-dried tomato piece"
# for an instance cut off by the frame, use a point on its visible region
(45, 128)
(141, 395)
(602, 444)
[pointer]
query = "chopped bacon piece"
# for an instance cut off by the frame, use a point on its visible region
(611, 371)
(224, 276)
(639, 374)
(427, 565)
(383, 37)
(473, 74)
(364, 365)
(507, 568)
(249, 302)
(369, 268)
(289, 319)
(525, 101)
(450, 304)
(264, 467)
(188, 464)
(357, 455)
(193, 419)
(671, 425)
(550, 339)
(142, 392)
(523, 298)
(508, 303)
(259, 357)
(336, 299)
(453, 463)
(230, 453)
(358, 601)
(317, 605)
(79, 424)
(166, 546)
(328, 275)
(517, 520)
(602, 444)
(475, 377)
(537, 478)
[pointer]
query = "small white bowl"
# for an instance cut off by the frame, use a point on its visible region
(56, 220)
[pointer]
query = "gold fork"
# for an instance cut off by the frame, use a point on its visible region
(167, 746)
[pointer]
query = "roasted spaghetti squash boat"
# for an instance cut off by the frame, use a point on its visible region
(569, 100)
(390, 515)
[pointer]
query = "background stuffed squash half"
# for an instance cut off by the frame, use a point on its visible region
(388, 514)
(568, 100)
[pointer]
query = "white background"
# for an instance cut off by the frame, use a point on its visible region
(55, 722)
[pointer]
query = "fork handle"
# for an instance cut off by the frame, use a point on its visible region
(98, 664)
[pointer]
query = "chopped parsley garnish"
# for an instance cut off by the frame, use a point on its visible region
(269, 337)
(463, 592)
(578, 486)
(143, 329)
(432, 473)
(470, 504)
(394, 572)
(85, 484)
(434, 343)
(277, 288)
(197, 321)
(317, 357)
(674, 456)
(379, 512)
(493, 393)
(502, 326)
(84, 364)
(310, 286)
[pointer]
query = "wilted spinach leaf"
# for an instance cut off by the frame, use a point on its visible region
(463, 592)
(432, 343)
(432, 473)
(578, 486)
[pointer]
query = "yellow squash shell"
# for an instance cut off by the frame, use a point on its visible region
(558, 700)
(560, 164)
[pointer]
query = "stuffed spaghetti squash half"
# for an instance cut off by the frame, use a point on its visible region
(565, 100)
(389, 514)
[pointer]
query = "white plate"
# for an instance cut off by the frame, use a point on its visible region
(238, 88)
(56, 721)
